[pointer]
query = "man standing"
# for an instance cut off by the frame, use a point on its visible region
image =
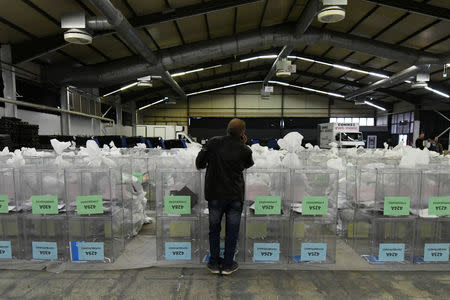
(419, 141)
(225, 158)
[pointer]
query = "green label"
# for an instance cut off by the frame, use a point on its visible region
(177, 205)
(439, 206)
(396, 206)
(3, 204)
(139, 176)
(89, 205)
(267, 205)
(315, 205)
(44, 205)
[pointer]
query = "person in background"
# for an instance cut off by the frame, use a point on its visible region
(431, 144)
(420, 141)
(438, 148)
(225, 158)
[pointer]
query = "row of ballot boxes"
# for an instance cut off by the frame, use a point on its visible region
(276, 227)
(398, 215)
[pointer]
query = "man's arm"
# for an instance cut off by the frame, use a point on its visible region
(248, 162)
(202, 158)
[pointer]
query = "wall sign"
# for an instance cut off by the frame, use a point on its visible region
(436, 252)
(45, 250)
(391, 252)
(315, 205)
(177, 205)
(314, 252)
(396, 206)
(44, 205)
(267, 205)
(178, 250)
(89, 205)
(266, 252)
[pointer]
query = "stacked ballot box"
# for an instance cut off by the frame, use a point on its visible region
(313, 216)
(96, 205)
(385, 215)
(49, 213)
(432, 241)
(267, 215)
(42, 201)
(10, 223)
(178, 209)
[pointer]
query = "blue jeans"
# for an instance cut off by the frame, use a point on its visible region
(232, 211)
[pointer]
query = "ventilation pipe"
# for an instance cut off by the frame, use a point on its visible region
(384, 83)
(307, 17)
(130, 35)
(193, 54)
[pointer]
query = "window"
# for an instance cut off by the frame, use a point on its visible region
(402, 123)
(382, 121)
(361, 121)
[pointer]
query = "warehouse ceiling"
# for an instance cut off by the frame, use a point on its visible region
(181, 27)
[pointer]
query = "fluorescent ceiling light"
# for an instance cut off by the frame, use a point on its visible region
(374, 105)
(121, 89)
(154, 103)
(307, 89)
(270, 56)
(342, 67)
(221, 88)
(194, 71)
(437, 92)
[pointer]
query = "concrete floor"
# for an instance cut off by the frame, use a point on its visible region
(183, 283)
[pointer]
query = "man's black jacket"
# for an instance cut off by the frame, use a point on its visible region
(224, 158)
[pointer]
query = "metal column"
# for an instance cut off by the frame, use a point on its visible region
(64, 104)
(133, 117)
(9, 80)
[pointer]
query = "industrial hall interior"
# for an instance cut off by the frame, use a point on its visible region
(224, 149)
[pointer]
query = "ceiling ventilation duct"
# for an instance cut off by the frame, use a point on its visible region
(80, 28)
(332, 11)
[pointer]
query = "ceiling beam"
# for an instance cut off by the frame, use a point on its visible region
(416, 7)
(30, 50)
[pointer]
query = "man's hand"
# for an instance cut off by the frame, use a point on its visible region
(244, 139)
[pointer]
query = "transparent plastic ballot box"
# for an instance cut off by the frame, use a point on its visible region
(366, 185)
(435, 193)
(432, 243)
(96, 238)
(392, 240)
(314, 192)
(267, 192)
(313, 240)
(178, 192)
(41, 191)
(93, 191)
(178, 239)
(205, 253)
(10, 237)
(315, 160)
(9, 216)
(358, 230)
(397, 191)
(45, 237)
(267, 240)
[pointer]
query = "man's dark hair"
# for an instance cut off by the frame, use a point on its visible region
(236, 127)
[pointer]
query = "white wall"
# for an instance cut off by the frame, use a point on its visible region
(48, 124)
